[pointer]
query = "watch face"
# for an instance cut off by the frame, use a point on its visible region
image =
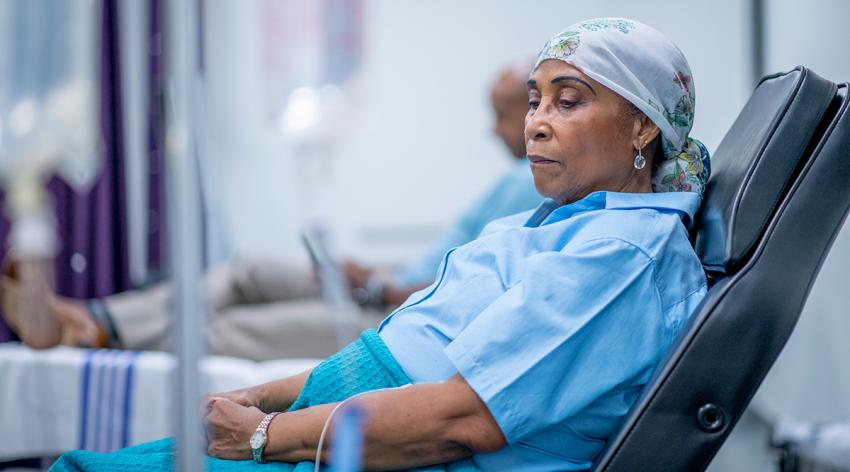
(257, 440)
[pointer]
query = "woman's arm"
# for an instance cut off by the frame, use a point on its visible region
(277, 395)
(409, 427)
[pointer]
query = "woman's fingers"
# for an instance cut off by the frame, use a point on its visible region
(206, 404)
(241, 397)
(218, 431)
(229, 427)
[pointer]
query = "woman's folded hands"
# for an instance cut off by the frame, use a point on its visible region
(229, 423)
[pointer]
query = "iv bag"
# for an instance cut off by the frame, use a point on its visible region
(312, 59)
(48, 82)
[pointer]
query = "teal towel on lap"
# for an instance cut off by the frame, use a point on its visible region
(364, 365)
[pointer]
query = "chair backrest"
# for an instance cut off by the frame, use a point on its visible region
(754, 165)
(778, 195)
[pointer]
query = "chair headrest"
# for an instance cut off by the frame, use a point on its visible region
(755, 163)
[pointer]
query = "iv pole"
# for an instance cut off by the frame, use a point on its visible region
(183, 195)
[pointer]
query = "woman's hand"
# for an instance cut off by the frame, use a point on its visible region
(229, 427)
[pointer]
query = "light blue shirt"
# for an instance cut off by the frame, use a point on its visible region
(556, 318)
(514, 192)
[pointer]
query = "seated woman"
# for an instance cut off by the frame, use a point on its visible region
(536, 338)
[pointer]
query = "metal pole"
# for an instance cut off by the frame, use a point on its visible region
(185, 245)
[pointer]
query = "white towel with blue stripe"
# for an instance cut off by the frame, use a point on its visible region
(60, 399)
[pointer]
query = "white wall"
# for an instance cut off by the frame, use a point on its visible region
(247, 171)
(421, 146)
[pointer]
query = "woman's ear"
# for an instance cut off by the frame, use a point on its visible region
(644, 131)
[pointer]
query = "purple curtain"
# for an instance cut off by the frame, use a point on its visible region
(156, 148)
(92, 226)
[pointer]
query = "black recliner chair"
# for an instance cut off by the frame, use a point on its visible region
(779, 193)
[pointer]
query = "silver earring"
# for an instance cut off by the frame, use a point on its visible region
(640, 161)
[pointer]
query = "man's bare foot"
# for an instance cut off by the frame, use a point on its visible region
(78, 327)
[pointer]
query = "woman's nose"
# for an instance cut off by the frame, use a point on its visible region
(536, 127)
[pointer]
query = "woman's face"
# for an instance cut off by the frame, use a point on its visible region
(577, 139)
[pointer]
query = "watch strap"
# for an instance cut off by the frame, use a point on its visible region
(263, 428)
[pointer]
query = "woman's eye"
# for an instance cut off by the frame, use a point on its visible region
(533, 104)
(567, 103)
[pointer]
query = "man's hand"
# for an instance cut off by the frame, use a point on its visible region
(394, 296)
(355, 274)
(229, 427)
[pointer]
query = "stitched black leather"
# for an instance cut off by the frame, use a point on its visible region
(755, 162)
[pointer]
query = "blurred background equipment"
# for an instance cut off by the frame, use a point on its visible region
(812, 447)
(48, 124)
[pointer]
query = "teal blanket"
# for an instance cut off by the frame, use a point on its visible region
(364, 365)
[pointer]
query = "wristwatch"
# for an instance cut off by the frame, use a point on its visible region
(260, 437)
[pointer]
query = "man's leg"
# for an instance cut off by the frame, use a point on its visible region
(298, 328)
(142, 318)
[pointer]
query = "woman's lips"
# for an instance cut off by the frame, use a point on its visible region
(536, 160)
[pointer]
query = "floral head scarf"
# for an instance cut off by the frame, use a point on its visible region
(647, 69)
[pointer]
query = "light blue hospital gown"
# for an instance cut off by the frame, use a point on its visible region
(557, 325)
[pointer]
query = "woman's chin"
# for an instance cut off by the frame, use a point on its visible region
(549, 187)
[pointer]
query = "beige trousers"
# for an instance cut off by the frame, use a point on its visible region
(256, 309)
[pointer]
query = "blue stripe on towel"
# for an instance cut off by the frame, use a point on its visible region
(117, 417)
(84, 409)
(128, 397)
(94, 402)
(109, 435)
(102, 392)
(106, 400)
(118, 387)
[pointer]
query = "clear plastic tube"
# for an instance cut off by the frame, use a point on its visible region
(36, 324)
(33, 241)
